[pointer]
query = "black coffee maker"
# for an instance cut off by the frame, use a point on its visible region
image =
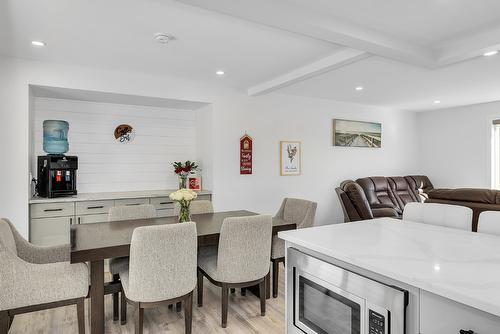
(56, 175)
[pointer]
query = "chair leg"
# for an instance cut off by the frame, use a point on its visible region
(200, 289)
(262, 294)
(116, 279)
(188, 313)
(4, 322)
(275, 278)
(243, 291)
(80, 314)
(123, 309)
(139, 318)
(11, 320)
(225, 301)
(178, 306)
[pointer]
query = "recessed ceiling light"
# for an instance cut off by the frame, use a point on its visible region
(359, 88)
(437, 102)
(220, 73)
(37, 43)
(490, 53)
(163, 38)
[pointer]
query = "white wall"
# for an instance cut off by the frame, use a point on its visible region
(162, 136)
(455, 145)
(268, 119)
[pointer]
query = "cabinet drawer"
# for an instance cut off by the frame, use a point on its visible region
(164, 213)
(162, 203)
(89, 219)
(93, 207)
(60, 209)
(131, 201)
(50, 231)
(204, 197)
(440, 315)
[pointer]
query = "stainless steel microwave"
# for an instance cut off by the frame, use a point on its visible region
(325, 299)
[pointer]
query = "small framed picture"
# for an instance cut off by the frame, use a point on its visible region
(194, 183)
(290, 158)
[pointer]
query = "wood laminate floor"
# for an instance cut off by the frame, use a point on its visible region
(243, 317)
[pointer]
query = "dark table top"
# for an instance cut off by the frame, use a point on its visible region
(91, 242)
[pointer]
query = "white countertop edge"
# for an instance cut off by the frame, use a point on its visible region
(109, 196)
(441, 291)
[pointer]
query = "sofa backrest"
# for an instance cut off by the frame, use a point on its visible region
(378, 191)
(402, 191)
(420, 185)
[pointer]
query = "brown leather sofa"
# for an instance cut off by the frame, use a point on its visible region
(380, 196)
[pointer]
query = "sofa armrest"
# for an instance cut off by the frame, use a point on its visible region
(384, 212)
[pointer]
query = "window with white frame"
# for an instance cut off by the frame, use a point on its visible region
(495, 155)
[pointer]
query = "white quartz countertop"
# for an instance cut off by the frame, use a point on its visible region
(110, 196)
(459, 265)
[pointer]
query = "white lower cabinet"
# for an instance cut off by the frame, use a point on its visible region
(50, 231)
(50, 222)
(440, 315)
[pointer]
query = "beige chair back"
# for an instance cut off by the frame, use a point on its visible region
(7, 237)
(244, 248)
(168, 255)
(143, 211)
(298, 211)
(455, 216)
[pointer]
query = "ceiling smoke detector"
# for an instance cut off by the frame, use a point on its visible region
(163, 38)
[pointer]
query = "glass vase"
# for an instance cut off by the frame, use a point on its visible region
(182, 181)
(184, 214)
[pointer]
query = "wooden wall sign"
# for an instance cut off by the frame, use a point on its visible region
(246, 154)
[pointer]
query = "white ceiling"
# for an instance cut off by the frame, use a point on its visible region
(415, 52)
(118, 34)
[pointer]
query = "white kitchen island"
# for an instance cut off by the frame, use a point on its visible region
(452, 276)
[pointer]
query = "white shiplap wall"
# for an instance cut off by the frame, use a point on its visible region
(162, 136)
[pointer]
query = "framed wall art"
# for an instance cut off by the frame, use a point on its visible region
(290, 158)
(349, 133)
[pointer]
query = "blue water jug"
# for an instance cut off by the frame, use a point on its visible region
(55, 136)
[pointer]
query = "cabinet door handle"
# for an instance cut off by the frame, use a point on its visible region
(132, 204)
(71, 221)
(463, 331)
(79, 220)
(95, 207)
(52, 210)
(165, 202)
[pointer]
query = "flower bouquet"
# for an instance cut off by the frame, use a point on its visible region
(183, 170)
(184, 197)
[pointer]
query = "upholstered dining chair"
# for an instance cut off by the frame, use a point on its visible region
(196, 207)
(118, 264)
(34, 278)
(454, 216)
(167, 253)
(242, 259)
(489, 222)
(296, 211)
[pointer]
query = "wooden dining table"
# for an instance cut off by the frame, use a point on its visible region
(96, 242)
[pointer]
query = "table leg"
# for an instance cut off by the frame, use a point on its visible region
(97, 297)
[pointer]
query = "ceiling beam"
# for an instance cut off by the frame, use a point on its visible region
(340, 58)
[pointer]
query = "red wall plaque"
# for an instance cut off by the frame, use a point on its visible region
(246, 154)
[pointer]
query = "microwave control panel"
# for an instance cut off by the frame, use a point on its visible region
(376, 323)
